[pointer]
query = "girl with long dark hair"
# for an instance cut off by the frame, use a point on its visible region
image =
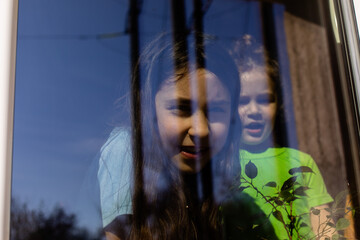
(188, 165)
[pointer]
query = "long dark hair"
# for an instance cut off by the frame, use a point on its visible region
(166, 203)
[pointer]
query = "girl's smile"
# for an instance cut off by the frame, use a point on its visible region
(193, 116)
(192, 152)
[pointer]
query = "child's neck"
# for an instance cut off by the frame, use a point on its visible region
(259, 148)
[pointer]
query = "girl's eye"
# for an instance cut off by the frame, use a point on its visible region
(180, 110)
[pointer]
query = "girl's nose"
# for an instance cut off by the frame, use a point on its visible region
(199, 125)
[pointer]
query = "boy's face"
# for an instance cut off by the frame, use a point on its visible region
(257, 107)
(193, 117)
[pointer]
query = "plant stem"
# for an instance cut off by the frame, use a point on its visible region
(268, 201)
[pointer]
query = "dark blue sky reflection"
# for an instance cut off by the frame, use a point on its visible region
(70, 70)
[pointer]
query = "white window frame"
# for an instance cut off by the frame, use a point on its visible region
(357, 13)
(8, 33)
(352, 37)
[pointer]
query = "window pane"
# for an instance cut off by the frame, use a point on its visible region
(183, 119)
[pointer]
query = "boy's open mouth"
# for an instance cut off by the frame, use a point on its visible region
(254, 129)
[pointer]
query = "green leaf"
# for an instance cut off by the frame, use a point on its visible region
(339, 212)
(272, 198)
(342, 223)
(251, 170)
(315, 211)
(243, 188)
(288, 183)
(328, 210)
(304, 225)
(300, 217)
(302, 169)
(335, 237)
(279, 202)
(291, 199)
(285, 194)
(300, 191)
(331, 224)
(340, 197)
(277, 214)
(271, 184)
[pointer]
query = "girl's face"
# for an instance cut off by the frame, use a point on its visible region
(257, 107)
(193, 117)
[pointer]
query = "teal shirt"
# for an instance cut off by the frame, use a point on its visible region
(115, 176)
(273, 165)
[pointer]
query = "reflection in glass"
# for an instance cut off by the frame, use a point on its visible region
(188, 176)
(288, 183)
(205, 146)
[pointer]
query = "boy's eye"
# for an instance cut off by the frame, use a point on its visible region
(265, 99)
(244, 100)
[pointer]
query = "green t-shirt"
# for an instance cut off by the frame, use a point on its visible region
(273, 165)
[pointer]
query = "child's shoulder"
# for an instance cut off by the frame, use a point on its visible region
(119, 137)
(117, 147)
(278, 155)
(275, 152)
(297, 155)
(293, 152)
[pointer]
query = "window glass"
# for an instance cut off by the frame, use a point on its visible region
(182, 119)
(70, 59)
